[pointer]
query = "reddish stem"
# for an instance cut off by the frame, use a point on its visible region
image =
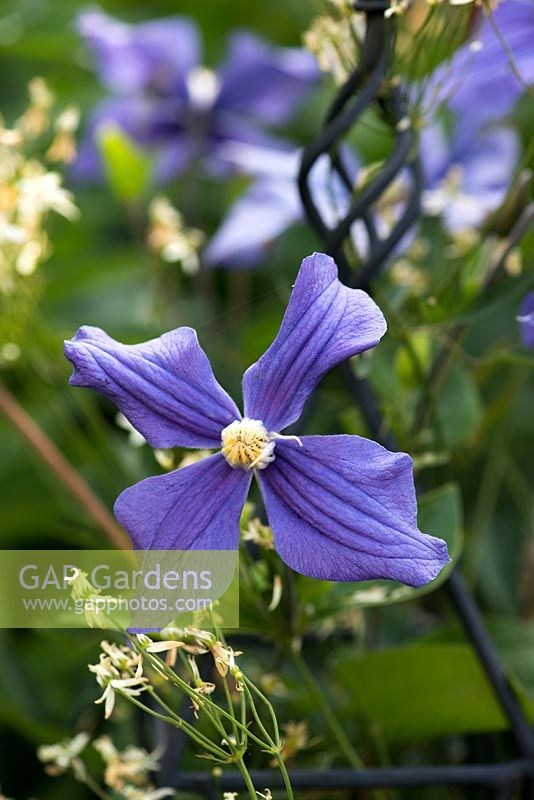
(62, 468)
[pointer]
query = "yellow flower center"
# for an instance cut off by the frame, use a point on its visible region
(246, 444)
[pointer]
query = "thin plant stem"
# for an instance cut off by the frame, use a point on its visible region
(62, 468)
(257, 717)
(206, 702)
(266, 702)
(246, 777)
(178, 723)
(230, 706)
(95, 788)
(229, 702)
(276, 744)
(285, 775)
(445, 356)
(331, 719)
(186, 726)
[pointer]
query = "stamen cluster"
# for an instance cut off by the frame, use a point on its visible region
(246, 444)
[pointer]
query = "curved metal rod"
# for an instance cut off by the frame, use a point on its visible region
(329, 137)
(343, 115)
(383, 248)
(373, 191)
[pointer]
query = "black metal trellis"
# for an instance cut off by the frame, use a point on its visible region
(368, 86)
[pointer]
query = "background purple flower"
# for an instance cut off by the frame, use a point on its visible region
(526, 320)
(270, 205)
(341, 507)
(466, 176)
(468, 170)
(164, 99)
(484, 79)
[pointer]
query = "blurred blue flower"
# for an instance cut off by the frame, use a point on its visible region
(341, 507)
(485, 78)
(466, 178)
(270, 205)
(526, 320)
(467, 171)
(164, 99)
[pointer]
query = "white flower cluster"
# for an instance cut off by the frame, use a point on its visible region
(120, 669)
(29, 191)
(170, 238)
(335, 41)
(126, 772)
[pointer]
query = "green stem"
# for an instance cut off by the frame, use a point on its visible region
(95, 788)
(206, 702)
(265, 701)
(248, 780)
(180, 724)
(186, 726)
(229, 703)
(285, 775)
(257, 717)
(330, 718)
(230, 706)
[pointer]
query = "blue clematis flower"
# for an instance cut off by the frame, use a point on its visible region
(485, 78)
(467, 171)
(165, 100)
(526, 320)
(341, 507)
(466, 176)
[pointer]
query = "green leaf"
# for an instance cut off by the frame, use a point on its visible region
(514, 639)
(459, 407)
(127, 166)
(414, 693)
(407, 371)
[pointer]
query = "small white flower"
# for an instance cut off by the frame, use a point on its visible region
(62, 756)
(63, 148)
(163, 647)
(135, 793)
(170, 238)
(118, 670)
(40, 192)
(132, 765)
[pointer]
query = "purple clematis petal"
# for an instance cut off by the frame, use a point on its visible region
(343, 508)
(182, 110)
(526, 320)
(258, 217)
(230, 132)
(156, 55)
(164, 387)
(196, 507)
(262, 81)
(324, 324)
